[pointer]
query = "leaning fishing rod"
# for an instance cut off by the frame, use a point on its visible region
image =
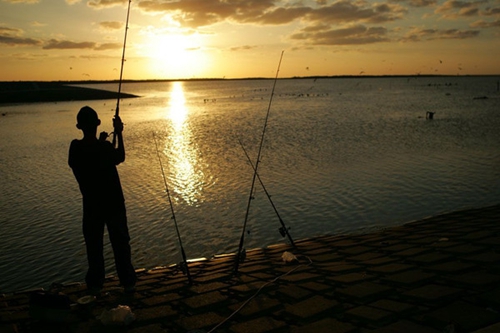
(117, 111)
(184, 265)
(283, 230)
(239, 254)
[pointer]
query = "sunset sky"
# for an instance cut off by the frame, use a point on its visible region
(83, 39)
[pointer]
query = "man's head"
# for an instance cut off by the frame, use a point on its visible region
(87, 119)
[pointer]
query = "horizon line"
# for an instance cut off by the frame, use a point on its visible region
(260, 78)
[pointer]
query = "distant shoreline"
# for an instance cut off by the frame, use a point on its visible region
(36, 92)
(63, 82)
(22, 92)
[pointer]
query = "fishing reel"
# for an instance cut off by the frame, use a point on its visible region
(283, 231)
(183, 267)
(242, 255)
(103, 136)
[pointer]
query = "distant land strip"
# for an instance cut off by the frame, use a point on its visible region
(53, 91)
(35, 92)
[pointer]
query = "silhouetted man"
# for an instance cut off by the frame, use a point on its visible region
(94, 165)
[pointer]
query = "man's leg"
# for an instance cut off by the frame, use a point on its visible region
(93, 232)
(119, 237)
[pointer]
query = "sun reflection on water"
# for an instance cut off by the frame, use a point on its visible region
(186, 175)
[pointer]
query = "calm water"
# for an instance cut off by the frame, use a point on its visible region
(339, 156)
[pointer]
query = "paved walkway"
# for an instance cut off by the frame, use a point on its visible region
(440, 274)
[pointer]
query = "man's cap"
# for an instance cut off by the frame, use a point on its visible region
(87, 117)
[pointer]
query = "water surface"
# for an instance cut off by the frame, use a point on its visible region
(339, 156)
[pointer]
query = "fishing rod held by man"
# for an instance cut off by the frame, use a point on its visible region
(117, 110)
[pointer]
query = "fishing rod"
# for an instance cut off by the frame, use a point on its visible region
(240, 255)
(283, 230)
(184, 265)
(117, 111)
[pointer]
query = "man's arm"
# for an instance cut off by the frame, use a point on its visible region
(118, 129)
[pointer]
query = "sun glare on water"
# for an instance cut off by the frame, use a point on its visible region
(187, 177)
(175, 56)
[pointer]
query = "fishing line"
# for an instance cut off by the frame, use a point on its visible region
(184, 265)
(258, 291)
(239, 254)
(117, 111)
(283, 230)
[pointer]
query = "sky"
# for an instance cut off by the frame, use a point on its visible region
(51, 40)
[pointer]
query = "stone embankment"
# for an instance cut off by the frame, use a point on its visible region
(440, 274)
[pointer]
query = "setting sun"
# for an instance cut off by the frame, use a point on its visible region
(174, 54)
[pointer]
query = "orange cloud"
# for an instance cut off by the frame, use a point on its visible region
(418, 34)
(13, 37)
(70, 45)
(453, 8)
(357, 34)
(483, 24)
(98, 4)
(111, 25)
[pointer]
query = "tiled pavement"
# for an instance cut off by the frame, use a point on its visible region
(440, 274)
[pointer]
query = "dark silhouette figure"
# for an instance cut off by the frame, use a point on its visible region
(429, 115)
(94, 165)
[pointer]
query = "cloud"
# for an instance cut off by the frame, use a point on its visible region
(55, 44)
(346, 11)
(13, 37)
(244, 47)
(491, 11)
(317, 27)
(18, 41)
(67, 45)
(422, 3)
(98, 4)
(111, 25)
(483, 24)
(453, 9)
(197, 13)
(27, 56)
(95, 56)
(420, 34)
(37, 24)
(276, 16)
(107, 46)
(10, 31)
(321, 19)
(23, 1)
(352, 35)
(457, 34)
